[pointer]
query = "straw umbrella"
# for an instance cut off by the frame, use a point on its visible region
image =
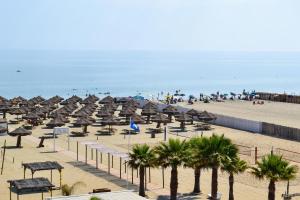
(137, 119)
(4, 108)
(183, 118)
(19, 132)
(110, 121)
(83, 122)
(107, 100)
(170, 111)
(206, 116)
(160, 118)
(18, 111)
(127, 113)
(193, 113)
(148, 111)
(32, 118)
(55, 122)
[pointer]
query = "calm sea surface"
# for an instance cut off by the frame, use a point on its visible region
(65, 73)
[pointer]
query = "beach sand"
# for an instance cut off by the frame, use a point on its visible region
(286, 114)
(246, 187)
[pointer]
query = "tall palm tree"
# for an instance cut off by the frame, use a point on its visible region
(196, 161)
(233, 166)
(274, 168)
(142, 156)
(172, 154)
(216, 149)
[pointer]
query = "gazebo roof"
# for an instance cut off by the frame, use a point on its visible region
(32, 183)
(41, 166)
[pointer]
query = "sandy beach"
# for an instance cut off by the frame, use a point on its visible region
(246, 187)
(286, 114)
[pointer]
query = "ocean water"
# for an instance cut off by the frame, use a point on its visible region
(124, 73)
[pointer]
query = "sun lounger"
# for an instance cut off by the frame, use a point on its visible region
(101, 190)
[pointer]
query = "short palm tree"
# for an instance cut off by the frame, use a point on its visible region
(274, 168)
(215, 150)
(142, 156)
(68, 190)
(172, 154)
(196, 161)
(233, 166)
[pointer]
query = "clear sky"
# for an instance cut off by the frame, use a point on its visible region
(233, 25)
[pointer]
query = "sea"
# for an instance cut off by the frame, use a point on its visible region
(30, 73)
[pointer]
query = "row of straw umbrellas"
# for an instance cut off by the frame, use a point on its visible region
(37, 109)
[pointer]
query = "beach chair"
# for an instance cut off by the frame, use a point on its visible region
(78, 133)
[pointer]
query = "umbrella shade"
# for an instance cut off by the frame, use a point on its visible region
(127, 112)
(150, 105)
(170, 110)
(111, 120)
(107, 100)
(83, 122)
(56, 122)
(103, 113)
(149, 111)
(20, 132)
(137, 119)
(31, 116)
(161, 118)
(193, 112)
(206, 116)
(182, 117)
(18, 111)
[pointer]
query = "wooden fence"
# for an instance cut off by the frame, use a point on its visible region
(280, 131)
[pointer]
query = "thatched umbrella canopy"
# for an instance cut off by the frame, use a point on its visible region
(83, 122)
(110, 106)
(107, 100)
(183, 118)
(127, 113)
(206, 116)
(193, 113)
(19, 132)
(170, 111)
(110, 121)
(55, 122)
(151, 105)
(32, 118)
(160, 118)
(137, 119)
(18, 111)
(148, 111)
(104, 113)
(4, 108)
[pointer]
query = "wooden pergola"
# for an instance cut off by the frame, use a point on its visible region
(43, 166)
(30, 186)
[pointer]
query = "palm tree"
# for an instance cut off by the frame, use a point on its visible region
(172, 154)
(274, 168)
(215, 150)
(233, 166)
(196, 161)
(67, 190)
(142, 156)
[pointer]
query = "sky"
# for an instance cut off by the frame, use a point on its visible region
(161, 25)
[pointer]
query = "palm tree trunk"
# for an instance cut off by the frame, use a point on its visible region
(214, 183)
(142, 181)
(174, 183)
(271, 195)
(197, 173)
(231, 181)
